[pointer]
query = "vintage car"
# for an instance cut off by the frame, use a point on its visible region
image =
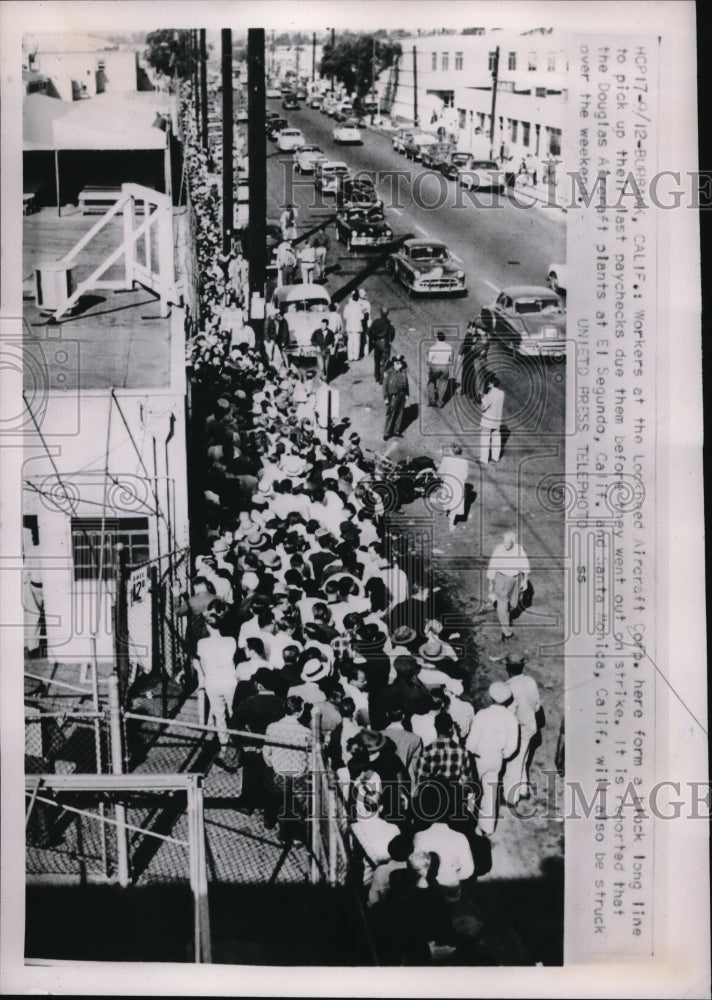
(417, 144)
(426, 266)
(273, 92)
(401, 137)
(289, 139)
(456, 161)
(436, 156)
(527, 319)
(557, 277)
(349, 132)
(305, 157)
(483, 175)
(328, 174)
(304, 306)
(315, 101)
(275, 126)
(290, 102)
(363, 227)
(357, 192)
(329, 105)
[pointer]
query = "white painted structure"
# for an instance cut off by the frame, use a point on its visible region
(80, 65)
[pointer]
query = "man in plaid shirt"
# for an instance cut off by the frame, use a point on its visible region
(444, 760)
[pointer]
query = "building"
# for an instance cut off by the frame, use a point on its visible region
(448, 80)
(80, 66)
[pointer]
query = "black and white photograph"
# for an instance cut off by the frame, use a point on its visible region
(337, 445)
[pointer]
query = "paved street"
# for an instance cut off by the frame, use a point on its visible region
(498, 244)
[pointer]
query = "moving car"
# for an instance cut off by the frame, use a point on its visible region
(456, 162)
(289, 139)
(329, 105)
(290, 102)
(301, 93)
(557, 277)
(436, 156)
(273, 92)
(275, 126)
(347, 133)
(426, 266)
(483, 175)
(363, 227)
(315, 101)
(357, 192)
(417, 143)
(305, 158)
(328, 173)
(527, 319)
(304, 308)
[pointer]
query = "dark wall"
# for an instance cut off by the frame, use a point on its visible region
(78, 168)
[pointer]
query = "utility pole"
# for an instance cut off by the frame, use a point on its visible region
(333, 44)
(415, 86)
(196, 77)
(313, 57)
(227, 126)
(495, 77)
(257, 228)
(204, 88)
(373, 75)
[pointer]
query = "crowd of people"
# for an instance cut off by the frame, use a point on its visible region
(308, 620)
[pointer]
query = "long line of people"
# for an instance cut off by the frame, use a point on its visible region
(304, 607)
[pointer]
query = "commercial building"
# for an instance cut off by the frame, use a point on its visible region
(80, 66)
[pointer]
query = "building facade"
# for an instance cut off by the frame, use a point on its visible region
(80, 66)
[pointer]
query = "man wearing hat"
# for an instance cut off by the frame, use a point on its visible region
(407, 691)
(507, 576)
(254, 714)
(409, 746)
(526, 706)
(431, 653)
(395, 392)
(314, 670)
(375, 752)
(493, 740)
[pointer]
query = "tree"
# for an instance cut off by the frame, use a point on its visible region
(349, 60)
(170, 51)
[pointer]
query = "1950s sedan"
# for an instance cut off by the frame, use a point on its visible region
(363, 228)
(527, 319)
(427, 267)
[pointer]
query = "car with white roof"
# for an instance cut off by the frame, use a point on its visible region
(289, 139)
(347, 133)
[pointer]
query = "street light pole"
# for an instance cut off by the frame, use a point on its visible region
(373, 75)
(333, 44)
(415, 87)
(313, 57)
(495, 76)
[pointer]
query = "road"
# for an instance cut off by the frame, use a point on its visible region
(498, 245)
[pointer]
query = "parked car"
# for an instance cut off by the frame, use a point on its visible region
(301, 93)
(557, 277)
(363, 227)
(305, 158)
(402, 136)
(369, 107)
(356, 192)
(417, 143)
(273, 92)
(289, 139)
(426, 266)
(328, 173)
(456, 162)
(483, 175)
(315, 101)
(527, 319)
(275, 126)
(290, 102)
(436, 156)
(305, 306)
(329, 105)
(349, 132)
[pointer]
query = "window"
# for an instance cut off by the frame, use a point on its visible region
(551, 62)
(132, 532)
(434, 64)
(445, 61)
(512, 60)
(101, 66)
(461, 117)
(554, 141)
(480, 119)
(458, 60)
(513, 129)
(532, 62)
(526, 129)
(492, 61)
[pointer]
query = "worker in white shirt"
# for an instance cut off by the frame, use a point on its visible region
(453, 472)
(526, 705)
(439, 362)
(491, 422)
(507, 576)
(216, 668)
(493, 739)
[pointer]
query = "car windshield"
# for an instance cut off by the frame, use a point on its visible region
(484, 165)
(290, 132)
(428, 253)
(460, 157)
(524, 306)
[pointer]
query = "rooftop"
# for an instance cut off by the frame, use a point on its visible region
(121, 341)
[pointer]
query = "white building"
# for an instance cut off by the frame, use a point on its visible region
(81, 66)
(454, 75)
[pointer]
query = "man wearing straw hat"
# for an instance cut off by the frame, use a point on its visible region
(493, 739)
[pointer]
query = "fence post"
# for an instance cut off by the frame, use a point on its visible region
(122, 844)
(198, 871)
(316, 802)
(99, 750)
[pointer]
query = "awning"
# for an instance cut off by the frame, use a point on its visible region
(107, 121)
(39, 112)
